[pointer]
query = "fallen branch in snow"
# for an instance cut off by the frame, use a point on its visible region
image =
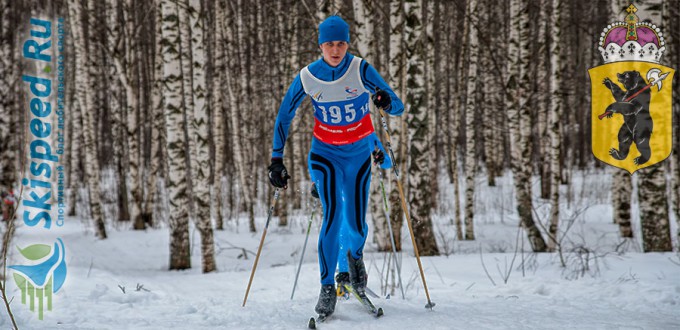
(244, 251)
(484, 266)
(140, 287)
(677, 256)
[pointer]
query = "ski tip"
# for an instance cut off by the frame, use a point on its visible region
(380, 312)
(312, 323)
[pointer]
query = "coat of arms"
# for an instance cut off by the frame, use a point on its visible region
(631, 96)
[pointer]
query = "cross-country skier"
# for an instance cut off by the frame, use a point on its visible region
(339, 160)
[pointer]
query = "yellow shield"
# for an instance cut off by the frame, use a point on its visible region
(637, 131)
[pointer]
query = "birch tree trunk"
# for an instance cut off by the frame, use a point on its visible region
(180, 257)
(418, 126)
(671, 23)
(519, 120)
(652, 193)
(622, 185)
(7, 153)
(364, 27)
(654, 217)
(554, 117)
(487, 93)
(86, 101)
(364, 36)
(199, 132)
(236, 107)
(186, 64)
(117, 125)
(470, 108)
(541, 99)
(397, 63)
(455, 65)
(218, 114)
(126, 63)
(158, 121)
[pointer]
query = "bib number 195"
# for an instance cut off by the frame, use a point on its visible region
(336, 113)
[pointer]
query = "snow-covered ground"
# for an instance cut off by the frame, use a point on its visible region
(507, 290)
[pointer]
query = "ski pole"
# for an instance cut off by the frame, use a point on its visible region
(304, 247)
(389, 227)
(259, 249)
(430, 304)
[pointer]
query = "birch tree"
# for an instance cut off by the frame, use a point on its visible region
(180, 257)
(199, 131)
(218, 114)
(654, 217)
(622, 185)
(455, 65)
(671, 25)
(418, 129)
(654, 208)
(7, 139)
(127, 67)
(114, 47)
(470, 107)
(554, 118)
(519, 119)
(86, 100)
(158, 127)
(397, 59)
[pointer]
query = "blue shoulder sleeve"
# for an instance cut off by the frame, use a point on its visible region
(372, 79)
(289, 105)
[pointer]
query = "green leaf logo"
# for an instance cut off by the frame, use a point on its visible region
(35, 251)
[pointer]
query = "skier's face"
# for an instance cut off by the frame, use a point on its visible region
(334, 52)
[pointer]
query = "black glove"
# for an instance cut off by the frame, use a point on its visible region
(381, 99)
(315, 193)
(278, 176)
(378, 157)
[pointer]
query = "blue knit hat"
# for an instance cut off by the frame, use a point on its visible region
(333, 28)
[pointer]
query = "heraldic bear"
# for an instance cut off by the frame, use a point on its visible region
(633, 104)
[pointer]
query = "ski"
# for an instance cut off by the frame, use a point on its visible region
(344, 294)
(345, 291)
(376, 311)
(320, 319)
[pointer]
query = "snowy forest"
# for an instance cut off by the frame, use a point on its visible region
(171, 105)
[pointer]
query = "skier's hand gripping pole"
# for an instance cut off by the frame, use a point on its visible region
(404, 207)
(259, 249)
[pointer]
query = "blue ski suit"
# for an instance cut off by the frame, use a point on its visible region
(340, 157)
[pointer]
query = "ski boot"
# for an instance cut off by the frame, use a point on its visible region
(357, 274)
(341, 280)
(327, 300)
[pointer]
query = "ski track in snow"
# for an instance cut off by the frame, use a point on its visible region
(633, 291)
(628, 291)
